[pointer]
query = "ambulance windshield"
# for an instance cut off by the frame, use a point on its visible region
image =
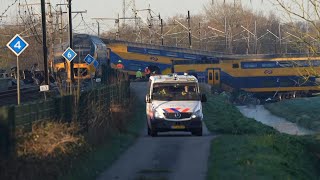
(175, 92)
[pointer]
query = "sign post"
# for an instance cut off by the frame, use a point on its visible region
(17, 45)
(89, 59)
(69, 55)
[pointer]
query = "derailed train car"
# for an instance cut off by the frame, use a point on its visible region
(83, 44)
(264, 77)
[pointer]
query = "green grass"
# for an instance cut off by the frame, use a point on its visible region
(261, 157)
(304, 111)
(246, 149)
(92, 164)
(224, 118)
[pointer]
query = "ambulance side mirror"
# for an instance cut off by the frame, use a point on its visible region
(203, 98)
(148, 100)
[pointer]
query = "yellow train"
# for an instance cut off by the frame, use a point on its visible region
(83, 45)
(263, 76)
(130, 57)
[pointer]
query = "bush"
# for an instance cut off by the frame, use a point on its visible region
(46, 152)
(49, 139)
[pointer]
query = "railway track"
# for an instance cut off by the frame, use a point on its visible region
(27, 94)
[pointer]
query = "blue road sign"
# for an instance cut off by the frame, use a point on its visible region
(96, 64)
(17, 45)
(89, 59)
(69, 54)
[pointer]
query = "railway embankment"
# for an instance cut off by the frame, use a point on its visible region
(248, 149)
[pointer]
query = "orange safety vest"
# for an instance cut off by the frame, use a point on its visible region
(147, 70)
(120, 66)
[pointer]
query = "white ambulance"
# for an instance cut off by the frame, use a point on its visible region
(173, 103)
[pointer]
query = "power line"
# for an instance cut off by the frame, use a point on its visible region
(86, 23)
(7, 9)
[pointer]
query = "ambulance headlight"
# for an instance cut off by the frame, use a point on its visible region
(158, 115)
(196, 114)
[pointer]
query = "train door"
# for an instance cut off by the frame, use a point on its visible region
(214, 77)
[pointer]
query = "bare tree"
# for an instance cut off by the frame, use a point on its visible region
(302, 16)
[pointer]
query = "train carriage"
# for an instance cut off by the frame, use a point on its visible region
(83, 45)
(266, 76)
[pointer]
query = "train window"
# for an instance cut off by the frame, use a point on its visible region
(302, 63)
(235, 65)
(210, 76)
(189, 56)
(285, 64)
(216, 76)
(172, 54)
(268, 64)
(287, 83)
(269, 83)
(217, 62)
(134, 67)
(247, 65)
(154, 52)
(135, 49)
(316, 63)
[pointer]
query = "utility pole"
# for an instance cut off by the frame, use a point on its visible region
(118, 31)
(98, 28)
(124, 11)
(256, 38)
(280, 41)
(161, 24)
(189, 28)
(200, 42)
(44, 41)
(117, 21)
(70, 40)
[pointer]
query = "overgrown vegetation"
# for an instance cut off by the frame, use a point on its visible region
(99, 158)
(303, 111)
(49, 139)
(54, 150)
(45, 152)
(247, 149)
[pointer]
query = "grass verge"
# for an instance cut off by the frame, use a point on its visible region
(302, 111)
(92, 164)
(224, 118)
(247, 149)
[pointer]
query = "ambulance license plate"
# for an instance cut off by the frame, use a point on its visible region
(178, 127)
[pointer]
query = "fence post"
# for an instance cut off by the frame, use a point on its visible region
(7, 131)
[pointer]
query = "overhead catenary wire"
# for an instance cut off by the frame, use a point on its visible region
(31, 25)
(87, 24)
(7, 9)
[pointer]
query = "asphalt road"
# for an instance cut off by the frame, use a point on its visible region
(170, 156)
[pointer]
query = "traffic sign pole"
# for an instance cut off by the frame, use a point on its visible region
(18, 80)
(17, 45)
(69, 55)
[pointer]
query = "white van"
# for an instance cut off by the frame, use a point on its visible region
(174, 104)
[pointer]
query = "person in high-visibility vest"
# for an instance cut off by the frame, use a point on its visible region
(147, 72)
(138, 74)
(120, 65)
